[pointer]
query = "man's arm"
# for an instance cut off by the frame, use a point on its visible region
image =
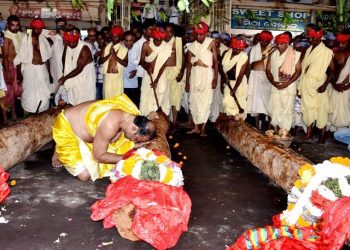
(143, 62)
(103, 59)
(188, 70)
(84, 59)
(123, 62)
(6, 63)
(269, 74)
(183, 66)
(215, 64)
(294, 77)
(103, 137)
(161, 71)
(240, 77)
(222, 73)
(48, 70)
(330, 73)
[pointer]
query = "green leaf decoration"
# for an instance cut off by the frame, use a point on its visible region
(109, 8)
(333, 185)
(150, 171)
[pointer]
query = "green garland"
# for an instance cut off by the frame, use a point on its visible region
(150, 171)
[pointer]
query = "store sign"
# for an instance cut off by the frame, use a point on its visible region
(30, 13)
(268, 19)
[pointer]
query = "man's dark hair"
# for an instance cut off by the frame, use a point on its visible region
(100, 33)
(128, 33)
(12, 18)
(146, 25)
(106, 28)
(92, 29)
(171, 25)
(61, 19)
(142, 123)
(290, 36)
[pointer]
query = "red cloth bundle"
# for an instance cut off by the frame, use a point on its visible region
(315, 34)
(239, 44)
(37, 24)
(158, 33)
(265, 36)
(71, 36)
(342, 38)
(117, 31)
(4, 187)
(162, 211)
(201, 28)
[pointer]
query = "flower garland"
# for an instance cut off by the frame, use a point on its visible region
(317, 185)
(146, 164)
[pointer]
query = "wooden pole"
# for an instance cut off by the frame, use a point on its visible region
(279, 163)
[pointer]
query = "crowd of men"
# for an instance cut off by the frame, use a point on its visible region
(280, 82)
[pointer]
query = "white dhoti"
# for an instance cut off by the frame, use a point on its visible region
(216, 105)
(176, 88)
(259, 92)
(340, 101)
(35, 88)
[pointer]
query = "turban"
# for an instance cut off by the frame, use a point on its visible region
(71, 36)
(238, 43)
(314, 33)
(225, 36)
(265, 36)
(158, 33)
(117, 31)
(201, 28)
(342, 38)
(330, 36)
(282, 38)
(37, 24)
(215, 35)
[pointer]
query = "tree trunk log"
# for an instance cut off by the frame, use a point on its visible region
(24, 138)
(279, 163)
(20, 140)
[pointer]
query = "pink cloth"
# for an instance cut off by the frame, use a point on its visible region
(13, 90)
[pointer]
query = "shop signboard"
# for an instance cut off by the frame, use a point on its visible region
(269, 20)
(30, 13)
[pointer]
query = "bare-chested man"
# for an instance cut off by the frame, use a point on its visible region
(201, 76)
(115, 59)
(79, 76)
(93, 136)
(12, 41)
(154, 56)
(340, 94)
(33, 57)
(175, 70)
(259, 87)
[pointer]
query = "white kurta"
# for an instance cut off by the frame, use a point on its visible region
(201, 92)
(35, 77)
(82, 87)
(340, 101)
(259, 87)
(281, 105)
(148, 102)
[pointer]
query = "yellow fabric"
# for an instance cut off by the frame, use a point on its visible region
(113, 83)
(75, 154)
(314, 105)
(229, 105)
(2, 93)
(148, 103)
(281, 104)
(201, 92)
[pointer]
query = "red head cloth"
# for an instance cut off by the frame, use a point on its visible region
(239, 44)
(37, 24)
(71, 36)
(117, 31)
(201, 28)
(265, 36)
(315, 34)
(282, 38)
(342, 38)
(158, 33)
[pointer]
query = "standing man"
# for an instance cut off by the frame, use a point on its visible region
(317, 71)
(340, 94)
(234, 66)
(149, 14)
(12, 41)
(154, 56)
(201, 76)
(130, 79)
(79, 76)
(33, 57)
(114, 58)
(283, 69)
(101, 41)
(175, 70)
(259, 87)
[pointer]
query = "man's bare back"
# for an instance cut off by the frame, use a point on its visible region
(340, 59)
(261, 65)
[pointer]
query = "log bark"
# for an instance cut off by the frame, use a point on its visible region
(279, 163)
(20, 140)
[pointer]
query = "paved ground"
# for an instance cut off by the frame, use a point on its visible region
(50, 210)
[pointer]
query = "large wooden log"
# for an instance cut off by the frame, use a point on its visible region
(20, 140)
(279, 163)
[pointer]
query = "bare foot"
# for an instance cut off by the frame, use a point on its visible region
(55, 161)
(194, 131)
(203, 134)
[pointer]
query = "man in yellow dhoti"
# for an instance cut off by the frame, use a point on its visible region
(114, 59)
(234, 65)
(174, 71)
(317, 71)
(283, 69)
(201, 76)
(340, 94)
(92, 136)
(154, 56)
